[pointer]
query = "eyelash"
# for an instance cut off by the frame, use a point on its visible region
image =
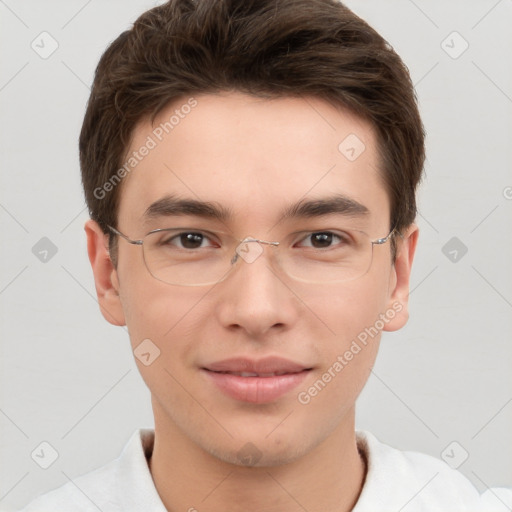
(343, 238)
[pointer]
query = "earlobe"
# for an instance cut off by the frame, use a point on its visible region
(399, 292)
(105, 275)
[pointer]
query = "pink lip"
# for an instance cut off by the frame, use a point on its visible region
(256, 389)
(265, 365)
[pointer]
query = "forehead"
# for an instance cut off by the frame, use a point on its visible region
(254, 157)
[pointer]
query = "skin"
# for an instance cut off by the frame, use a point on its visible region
(254, 156)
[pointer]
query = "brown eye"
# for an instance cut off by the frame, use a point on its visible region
(322, 240)
(191, 240)
(186, 240)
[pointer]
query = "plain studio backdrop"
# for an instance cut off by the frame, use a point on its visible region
(442, 385)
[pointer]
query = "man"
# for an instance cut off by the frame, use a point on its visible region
(250, 169)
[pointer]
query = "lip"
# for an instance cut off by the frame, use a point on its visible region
(265, 365)
(273, 377)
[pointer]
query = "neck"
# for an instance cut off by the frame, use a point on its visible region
(329, 478)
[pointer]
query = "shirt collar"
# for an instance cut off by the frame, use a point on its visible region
(137, 490)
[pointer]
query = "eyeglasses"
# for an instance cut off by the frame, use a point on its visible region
(187, 256)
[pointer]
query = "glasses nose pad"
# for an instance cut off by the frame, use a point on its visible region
(249, 250)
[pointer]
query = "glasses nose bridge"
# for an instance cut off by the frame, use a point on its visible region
(250, 249)
(251, 239)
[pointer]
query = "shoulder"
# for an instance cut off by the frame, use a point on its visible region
(124, 484)
(416, 482)
(90, 492)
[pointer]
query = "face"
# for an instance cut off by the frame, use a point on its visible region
(254, 158)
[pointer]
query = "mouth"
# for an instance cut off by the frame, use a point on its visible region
(268, 366)
(254, 374)
(258, 382)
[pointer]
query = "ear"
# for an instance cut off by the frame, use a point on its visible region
(105, 275)
(400, 277)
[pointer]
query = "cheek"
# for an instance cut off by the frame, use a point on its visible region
(150, 307)
(175, 320)
(346, 310)
(158, 312)
(352, 353)
(161, 343)
(353, 316)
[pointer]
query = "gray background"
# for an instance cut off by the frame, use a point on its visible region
(68, 377)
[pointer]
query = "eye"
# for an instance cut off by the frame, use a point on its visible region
(324, 240)
(187, 240)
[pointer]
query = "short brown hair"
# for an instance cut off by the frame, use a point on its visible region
(268, 48)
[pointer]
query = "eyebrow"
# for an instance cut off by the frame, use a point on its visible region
(170, 205)
(338, 203)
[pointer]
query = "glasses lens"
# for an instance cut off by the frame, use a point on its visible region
(186, 257)
(191, 257)
(329, 256)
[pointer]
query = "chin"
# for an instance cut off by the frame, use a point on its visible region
(251, 455)
(259, 449)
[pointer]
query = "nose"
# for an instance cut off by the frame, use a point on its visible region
(255, 297)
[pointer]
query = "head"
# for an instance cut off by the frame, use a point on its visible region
(249, 107)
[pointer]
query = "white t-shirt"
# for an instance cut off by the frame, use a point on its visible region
(395, 481)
